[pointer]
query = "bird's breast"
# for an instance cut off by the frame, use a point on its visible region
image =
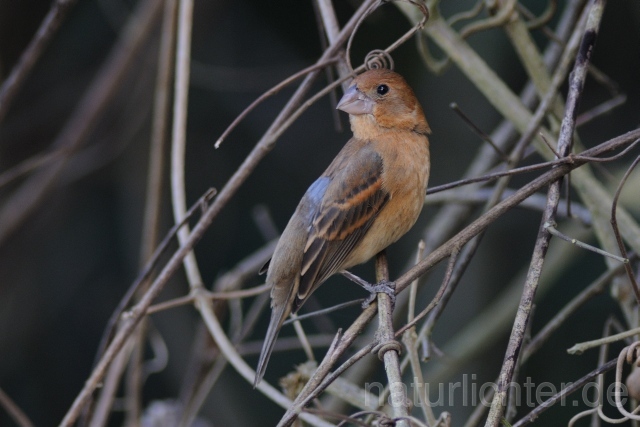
(405, 177)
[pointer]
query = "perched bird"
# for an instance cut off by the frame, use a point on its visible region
(369, 196)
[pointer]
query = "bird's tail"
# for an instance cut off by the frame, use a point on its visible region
(278, 314)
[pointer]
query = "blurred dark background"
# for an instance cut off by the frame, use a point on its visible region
(65, 267)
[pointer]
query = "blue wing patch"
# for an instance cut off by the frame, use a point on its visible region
(315, 193)
(318, 188)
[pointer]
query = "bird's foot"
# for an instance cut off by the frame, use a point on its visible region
(385, 287)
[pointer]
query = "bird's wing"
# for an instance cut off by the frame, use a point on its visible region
(348, 207)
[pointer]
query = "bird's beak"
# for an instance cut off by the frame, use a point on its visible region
(355, 102)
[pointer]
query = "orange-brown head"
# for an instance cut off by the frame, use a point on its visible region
(382, 98)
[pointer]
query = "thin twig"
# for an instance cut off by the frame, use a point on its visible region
(611, 158)
(580, 348)
(572, 387)
(50, 24)
(495, 175)
(189, 299)
(14, 410)
(600, 110)
(436, 299)
(269, 93)
(551, 227)
(252, 348)
(486, 138)
(326, 310)
(302, 337)
(548, 144)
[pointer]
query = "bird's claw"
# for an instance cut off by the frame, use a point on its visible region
(385, 287)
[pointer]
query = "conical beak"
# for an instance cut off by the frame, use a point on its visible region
(355, 102)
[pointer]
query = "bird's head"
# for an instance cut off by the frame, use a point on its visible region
(381, 97)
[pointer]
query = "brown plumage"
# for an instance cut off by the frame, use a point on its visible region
(369, 196)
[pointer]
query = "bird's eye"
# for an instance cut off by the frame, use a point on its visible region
(382, 89)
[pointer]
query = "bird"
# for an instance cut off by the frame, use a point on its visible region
(370, 195)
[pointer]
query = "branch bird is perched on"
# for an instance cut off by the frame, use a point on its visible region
(369, 196)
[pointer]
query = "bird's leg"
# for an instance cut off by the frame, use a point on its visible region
(384, 286)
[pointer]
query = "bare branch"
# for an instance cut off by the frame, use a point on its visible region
(50, 24)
